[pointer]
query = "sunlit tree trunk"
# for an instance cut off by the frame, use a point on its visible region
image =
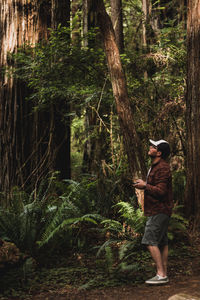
(20, 22)
(26, 143)
(117, 21)
(145, 8)
(85, 22)
(192, 195)
(132, 143)
(90, 116)
(76, 21)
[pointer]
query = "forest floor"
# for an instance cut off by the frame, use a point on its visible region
(188, 284)
(184, 275)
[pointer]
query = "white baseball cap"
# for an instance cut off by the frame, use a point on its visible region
(156, 143)
(162, 146)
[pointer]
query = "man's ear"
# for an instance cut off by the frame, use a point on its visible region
(159, 153)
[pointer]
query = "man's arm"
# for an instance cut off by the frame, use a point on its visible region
(159, 187)
(161, 182)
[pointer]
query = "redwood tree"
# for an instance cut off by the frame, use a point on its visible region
(28, 140)
(132, 143)
(192, 194)
(117, 21)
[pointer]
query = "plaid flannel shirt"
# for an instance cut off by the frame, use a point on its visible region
(158, 192)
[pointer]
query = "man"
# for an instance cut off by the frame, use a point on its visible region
(157, 207)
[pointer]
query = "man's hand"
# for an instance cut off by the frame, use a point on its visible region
(139, 184)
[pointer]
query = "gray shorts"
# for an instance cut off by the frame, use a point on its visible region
(156, 230)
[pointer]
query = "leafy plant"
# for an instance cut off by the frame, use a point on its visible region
(132, 217)
(72, 217)
(123, 237)
(23, 222)
(178, 226)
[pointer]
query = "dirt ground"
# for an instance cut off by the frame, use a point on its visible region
(187, 284)
(184, 278)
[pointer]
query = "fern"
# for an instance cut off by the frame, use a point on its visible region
(125, 235)
(123, 250)
(23, 222)
(112, 226)
(109, 258)
(106, 244)
(136, 267)
(178, 225)
(70, 214)
(132, 217)
(66, 224)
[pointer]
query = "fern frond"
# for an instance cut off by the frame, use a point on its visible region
(66, 224)
(123, 249)
(126, 210)
(179, 218)
(106, 244)
(132, 217)
(112, 225)
(130, 267)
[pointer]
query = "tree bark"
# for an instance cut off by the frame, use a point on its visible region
(62, 126)
(132, 143)
(192, 193)
(85, 22)
(145, 9)
(75, 21)
(117, 21)
(60, 13)
(20, 22)
(26, 144)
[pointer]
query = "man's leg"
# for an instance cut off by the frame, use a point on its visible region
(156, 234)
(158, 258)
(164, 254)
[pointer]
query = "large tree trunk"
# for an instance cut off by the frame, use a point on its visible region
(26, 144)
(192, 194)
(76, 21)
(85, 22)
(132, 143)
(60, 13)
(117, 21)
(62, 125)
(20, 22)
(145, 9)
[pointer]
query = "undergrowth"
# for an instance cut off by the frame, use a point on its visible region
(91, 272)
(74, 243)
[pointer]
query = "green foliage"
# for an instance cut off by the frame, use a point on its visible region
(179, 182)
(45, 215)
(132, 217)
(72, 218)
(178, 226)
(124, 238)
(156, 72)
(23, 221)
(109, 258)
(74, 215)
(57, 69)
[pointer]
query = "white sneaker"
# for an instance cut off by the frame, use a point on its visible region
(157, 280)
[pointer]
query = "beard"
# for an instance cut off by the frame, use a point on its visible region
(152, 155)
